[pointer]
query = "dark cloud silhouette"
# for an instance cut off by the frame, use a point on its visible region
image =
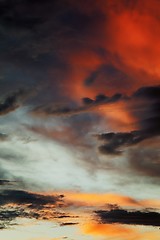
(68, 224)
(23, 197)
(117, 141)
(103, 99)
(121, 216)
(149, 116)
(152, 92)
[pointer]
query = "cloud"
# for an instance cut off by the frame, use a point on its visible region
(118, 231)
(114, 231)
(136, 26)
(95, 200)
(93, 55)
(141, 108)
(51, 40)
(5, 174)
(68, 224)
(22, 204)
(3, 136)
(144, 104)
(10, 103)
(88, 105)
(108, 200)
(140, 145)
(4, 182)
(15, 100)
(24, 197)
(6, 217)
(111, 53)
(145, 159)
(117, 140)
(121, 216)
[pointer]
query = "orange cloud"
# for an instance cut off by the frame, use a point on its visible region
(134, 36)
(94, 199)
(119, 232)
(118, 117)
(129, 33)
(115, 230)
(97, 200)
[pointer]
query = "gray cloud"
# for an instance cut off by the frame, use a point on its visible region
(145, 159)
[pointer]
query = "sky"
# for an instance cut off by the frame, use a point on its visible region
(79, 120)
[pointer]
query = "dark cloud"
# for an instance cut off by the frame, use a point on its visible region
(23, 197)
(62, 215)
(145, 103)
(7, 216)
(121, 216)
(152, 92)
(103, 99)
(34, 37)
(149, 113)
(30, 41)
(117, 141)
(68, 224)
(10, 103)
(14, 101)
